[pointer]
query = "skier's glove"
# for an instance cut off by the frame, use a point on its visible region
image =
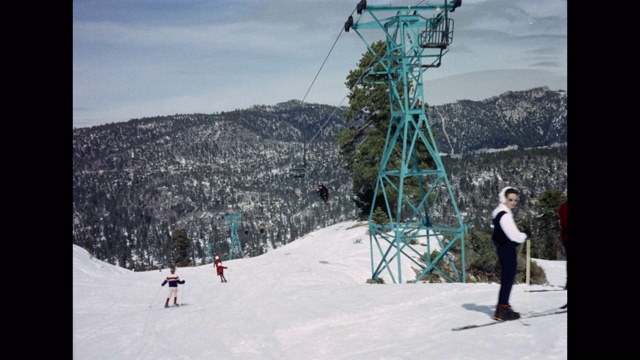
(162, 284)
(184, 281)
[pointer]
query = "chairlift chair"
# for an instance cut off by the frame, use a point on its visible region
(299, 170)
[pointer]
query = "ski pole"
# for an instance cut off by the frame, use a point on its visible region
(154, 297)
(528, 275)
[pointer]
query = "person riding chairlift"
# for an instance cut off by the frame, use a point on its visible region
(323, 192)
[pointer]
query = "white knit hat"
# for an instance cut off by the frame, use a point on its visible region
(502, 197)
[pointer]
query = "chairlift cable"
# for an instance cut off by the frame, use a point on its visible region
(304, 162)
(356, 83)
(299, 171)
(343, 99)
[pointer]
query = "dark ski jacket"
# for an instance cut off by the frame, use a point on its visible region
(323, 192)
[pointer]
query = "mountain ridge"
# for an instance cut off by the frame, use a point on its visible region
(136, 182)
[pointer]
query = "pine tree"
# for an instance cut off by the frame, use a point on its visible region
(380, 217)
(363, 140)
(546, 245)
(181, 245)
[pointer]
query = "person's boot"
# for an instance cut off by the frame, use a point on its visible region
(513, 314)
(166, 305)
(505, 313)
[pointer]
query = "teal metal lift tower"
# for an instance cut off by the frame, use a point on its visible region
(209, 258)
(236, 247)
(417, 195)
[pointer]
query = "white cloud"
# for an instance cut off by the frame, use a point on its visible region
(135, 59)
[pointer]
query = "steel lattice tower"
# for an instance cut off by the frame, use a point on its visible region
(236, 247)
(417, 195)
(209, 258)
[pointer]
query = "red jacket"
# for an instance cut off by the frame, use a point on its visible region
(564, 229)
(218, 264)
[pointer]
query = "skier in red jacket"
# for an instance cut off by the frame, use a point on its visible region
(564, 232)
(564, 237)
(220, 269)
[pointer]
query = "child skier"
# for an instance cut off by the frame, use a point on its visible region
(219, 268)
(173, 281)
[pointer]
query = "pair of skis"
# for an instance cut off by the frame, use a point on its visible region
(561, 310)
(545, 290)
(174, 307)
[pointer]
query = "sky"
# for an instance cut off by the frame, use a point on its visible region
(146, 58)
(307, 300)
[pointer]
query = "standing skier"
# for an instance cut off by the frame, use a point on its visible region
(219, 268)
(506, 237)
(564, 237)
(564, 233)
(173, 281)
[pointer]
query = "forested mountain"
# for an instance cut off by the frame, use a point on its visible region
(136, 182)
(513, 120)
